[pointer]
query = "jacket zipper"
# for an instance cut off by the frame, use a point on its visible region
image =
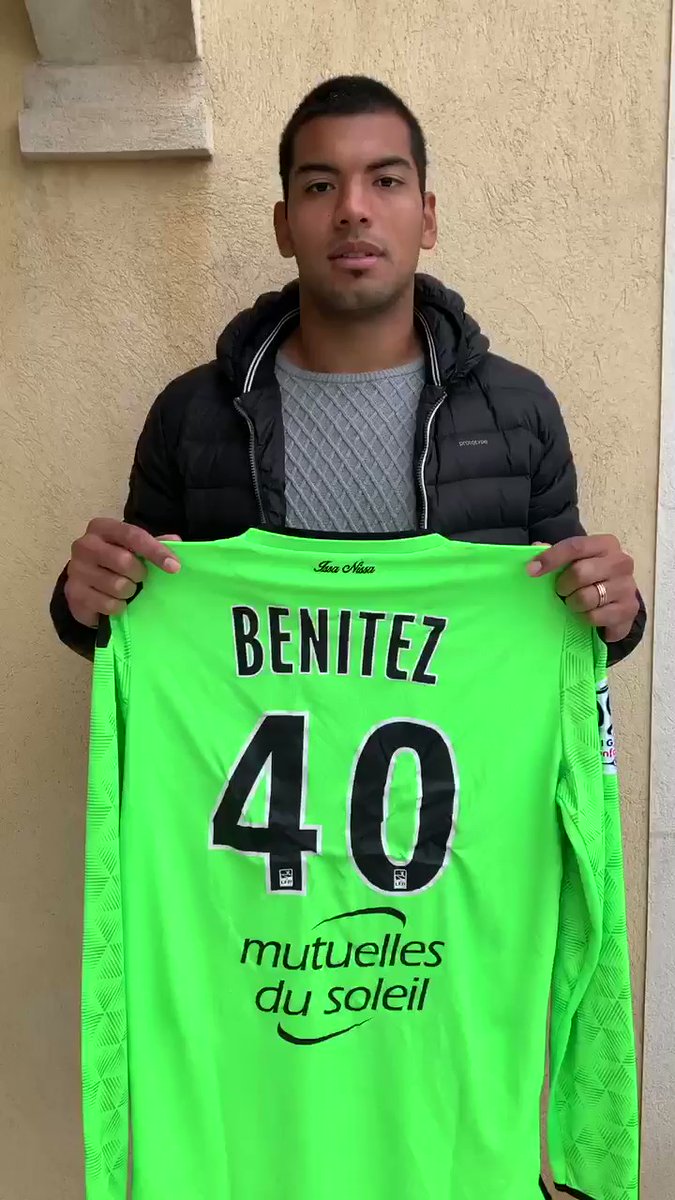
(423, 461)
(436, 374)
(251, 455)
(248, 383)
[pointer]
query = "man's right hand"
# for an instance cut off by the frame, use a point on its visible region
(105, 568)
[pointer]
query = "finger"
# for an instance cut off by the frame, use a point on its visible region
(108, 583)
(170, 537)
(89, 600)
(138, 541)
(609, 614)
(93, 551)
(617, 633)
(582, 574)
(106, 605)
(145, 546)
(611, 569)
(564, 553)
(587, 599)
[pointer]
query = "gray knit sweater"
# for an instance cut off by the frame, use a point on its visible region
(349, 448)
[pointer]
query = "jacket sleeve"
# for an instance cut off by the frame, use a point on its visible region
(554, 504)
(155, 502)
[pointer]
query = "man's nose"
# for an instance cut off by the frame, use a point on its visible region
(352, 208)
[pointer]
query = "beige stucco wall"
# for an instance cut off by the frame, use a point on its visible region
(546, 124)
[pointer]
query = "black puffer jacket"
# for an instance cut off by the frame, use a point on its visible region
(492, 460)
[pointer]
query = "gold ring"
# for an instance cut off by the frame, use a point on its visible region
(602, 594)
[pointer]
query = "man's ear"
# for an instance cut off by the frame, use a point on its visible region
(429, 222)
(282, 232)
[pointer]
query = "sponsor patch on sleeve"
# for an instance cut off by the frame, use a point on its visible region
(607, 741)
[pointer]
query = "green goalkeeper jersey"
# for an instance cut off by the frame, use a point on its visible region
(353, 821)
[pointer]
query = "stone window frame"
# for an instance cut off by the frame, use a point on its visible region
(118, 82)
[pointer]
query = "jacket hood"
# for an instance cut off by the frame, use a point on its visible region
(455, 344)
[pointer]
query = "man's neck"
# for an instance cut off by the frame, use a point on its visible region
(353, 345)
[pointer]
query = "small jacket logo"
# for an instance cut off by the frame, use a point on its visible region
(356, 568)
(473, 442)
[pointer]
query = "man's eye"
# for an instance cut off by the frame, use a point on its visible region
(388, 181)
(318, 188)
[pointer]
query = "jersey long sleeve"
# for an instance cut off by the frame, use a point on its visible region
(105, 1088)
(593, 1108)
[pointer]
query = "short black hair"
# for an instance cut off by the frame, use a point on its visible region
(350, 96)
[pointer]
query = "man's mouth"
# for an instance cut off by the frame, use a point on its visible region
(356, 256)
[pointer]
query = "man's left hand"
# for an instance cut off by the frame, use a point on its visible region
(597, 580)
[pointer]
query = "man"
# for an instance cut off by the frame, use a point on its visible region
(361, 398)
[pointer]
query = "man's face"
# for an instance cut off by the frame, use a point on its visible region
(356, 219)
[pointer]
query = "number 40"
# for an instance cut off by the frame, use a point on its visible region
(278, 746)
